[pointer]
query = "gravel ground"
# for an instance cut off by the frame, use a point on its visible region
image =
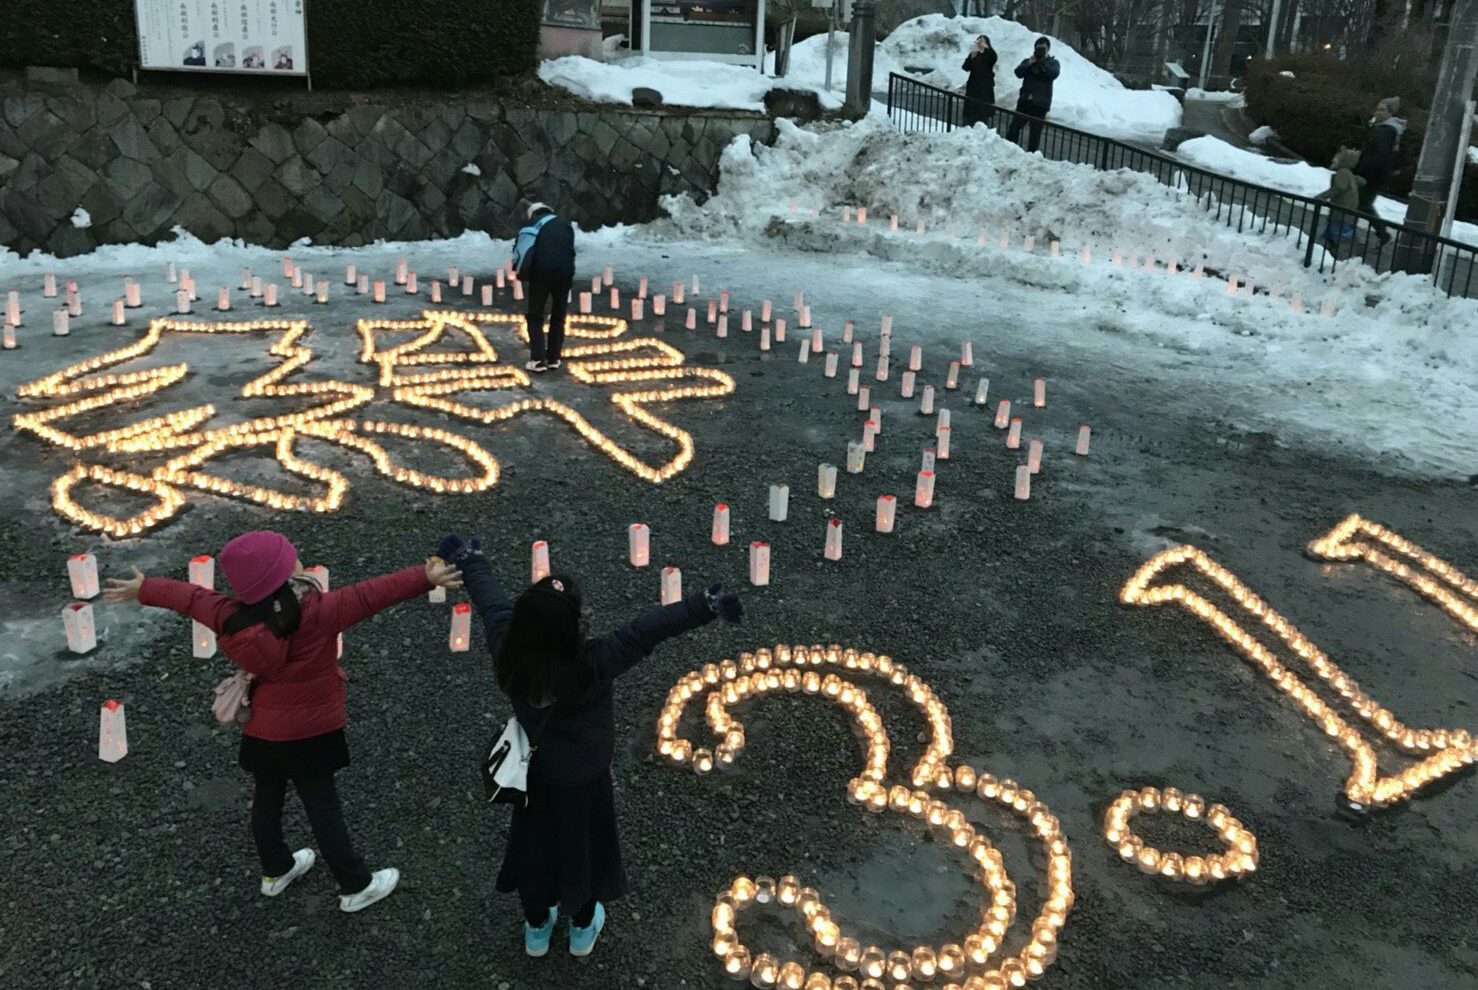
(141, 874)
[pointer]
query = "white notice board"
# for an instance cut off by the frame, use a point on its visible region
(266, 36)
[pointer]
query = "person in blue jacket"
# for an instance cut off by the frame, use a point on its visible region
(1037, 75)
(563, 852)
(544, 258)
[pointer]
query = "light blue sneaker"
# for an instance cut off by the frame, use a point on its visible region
(582, 940)
(536, 940)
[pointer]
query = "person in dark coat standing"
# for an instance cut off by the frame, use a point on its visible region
(1378, 158)
(284, 631)
(1036, 74)
(980, 87)
(544, 258)
(564, 853)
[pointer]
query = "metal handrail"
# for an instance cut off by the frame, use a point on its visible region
(916, 106)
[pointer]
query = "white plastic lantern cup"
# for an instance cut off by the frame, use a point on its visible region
(833, 549)
(764, 338)
(696, 285)
(864, 401)
(952, 380)
(779, 502)
(487, 295)
(923, 491)
(82, 570)
(74, 302)
(585, 303)
(746, 321)
(943, 420)
(869, 435)
(615, 298)
(805, 314)
(1023, 483)
(202, 641)
(677, 293)
(1055, 249)
(893, 223)
(118, 317)
(539, 562)
(1003, 414)
(78, 624)
(133, 293)
(13, 308)
(723, 326)
(436, 290)
(308, 285)
(720, 533)
(927, 461)
(641, 287)
(638, 308)
(363, 285)
(882, 374)
(982, 390)
(723, 301)
(351, 275)
(691, 322)
(379, 291)
(712, 312)
(500, 279)
(941, 443)
(639, 544)
(1039, 392)
(61, 323)
(804, 355)
(915, 357)
(9, 337)
(172, 274)
(453, 274)
(269, 295)
(112, 732)
(608, 276)
(596, 285)
(818, 343)
(887, 324)
(517, 290)
(467, 284)
(48, 285)
(460, 638)
(1034, 455)
(831, 364)
(766, 308)
(1028, 244)
(857, 354)
(826, 481)
(875, 413)
(1082, 446)
(1086, 256)
(926, 402)
(967, 354)
(779, 330)
(908, 384)
(856, 457)
(854, 381)
(402, 272)
(848, 329)
(412, 287)
(919, 227)
(322, 295)
(296, 279)
(659, 305)
(887, 509)
(1013, 435)
(862, 214)
(287, 268)
(672, 585)
(759, 564)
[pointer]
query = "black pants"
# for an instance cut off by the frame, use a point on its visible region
(1037, 117)
(537, 915)
(978, 109)
(555, 292)
(1368, 192)
(321, 801)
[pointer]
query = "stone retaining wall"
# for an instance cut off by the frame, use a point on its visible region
(139, 165)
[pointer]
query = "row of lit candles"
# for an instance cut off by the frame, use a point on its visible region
(1240, 857)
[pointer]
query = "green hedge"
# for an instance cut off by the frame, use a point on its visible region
(1327, 104)
(352, 44)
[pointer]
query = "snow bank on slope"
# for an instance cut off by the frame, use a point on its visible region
(682, 82)
(1084, 96)
(1217, 155)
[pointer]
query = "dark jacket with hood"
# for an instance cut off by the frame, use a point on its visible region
(1036, 83)
(576, 736)
(545, 248)
(981, 85)
(1378, 153)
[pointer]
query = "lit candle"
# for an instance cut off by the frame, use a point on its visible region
(78, 623)
(857, 354)
(363, 285)
(723, 301)
(672, 585)
(943, 420)
(869, 433)
(863, 400)
(712, 311)
(296, 278)
(487, 295)
(893, 222)
(411, 286)
(308, 284)
(854, 381)
(82, 569)
(202, 641)
(351, 275)
(875, 413)
(1013, 435)
(641, 287)
(941, 443)
(746, 321)
(882, 374)
(848, 328)
(926, 402)
(468, 284)
(833, 549)
(118, 317)
(9, 337)
(436, 290)
(638, 544)
(967, 354)
(721, 524)
(723, 326)
(677, 293)
(927, 460)
(887, 507)
(322, 294)
(831, 364)
(826, 481)
(1082, 448)
(1003, 414)
(765, 310)
(804, 356)
(952, 380)
(452, 275)
(608, 276)
(1034, 455)
(61, 322)
(379, 291)
(1231, 285)
(862, 214)
(287, 268)
(1039, 392)
(13, 308)
(517, 290)
(255, 290)
(691, 322)
(539, 564)
(639, 309)
(112, 732)
(779, 502)
(804, 313)
(817, 343)
(1023, 483)
(779, 329)
(269, 294)
(758, 563)
(48, 285)
(982, 389)
(908, 384)
(856, 457)
(74, 300)
(460, 638)
(764, 338)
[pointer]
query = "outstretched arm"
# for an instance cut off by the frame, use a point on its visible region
(209, 608)
(488, 597)
(618, 652)
(356, 602)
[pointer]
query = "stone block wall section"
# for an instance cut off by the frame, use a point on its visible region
(367, 169)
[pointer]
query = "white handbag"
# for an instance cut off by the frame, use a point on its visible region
(505, 768)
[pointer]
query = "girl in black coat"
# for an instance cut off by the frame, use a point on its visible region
(980, 88)
(564, 853)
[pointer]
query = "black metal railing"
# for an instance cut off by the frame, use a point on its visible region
(1328, 236)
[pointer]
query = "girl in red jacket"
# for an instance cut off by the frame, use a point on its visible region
(283, 630)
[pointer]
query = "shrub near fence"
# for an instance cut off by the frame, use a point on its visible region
(352, 44)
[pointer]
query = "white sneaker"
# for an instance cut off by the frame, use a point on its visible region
(380, 886)
(303, 861)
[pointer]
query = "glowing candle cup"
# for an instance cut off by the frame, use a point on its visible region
(639, 544)
(82, 570)
(826, 481)
(112, 732)
(1023, 483)
(672, 585)
(887, 509)
(923, 492)
(1082, 446)
(833, 549)
(779, 502)
(720, 532)
(539, 562)
(460, 638)
(77, 622)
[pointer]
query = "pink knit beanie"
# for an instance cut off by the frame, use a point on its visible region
(257, 564)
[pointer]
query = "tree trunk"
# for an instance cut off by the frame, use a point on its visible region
(1226, 41)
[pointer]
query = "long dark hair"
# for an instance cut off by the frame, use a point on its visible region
(279, 612)
(542, 659)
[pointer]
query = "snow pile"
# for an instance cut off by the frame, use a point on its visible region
(1473, 154)
(682, 82)
(1084, 96)
(1215, 96)
(807, 66)
(1217, 155)
(81, 219)
(1263, 135)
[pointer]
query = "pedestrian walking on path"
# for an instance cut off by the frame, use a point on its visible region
(564, 854)
(1037, 75)
(1343, 195)
(283, 630)
(1378, 159)
(980, 87)
(544, 258)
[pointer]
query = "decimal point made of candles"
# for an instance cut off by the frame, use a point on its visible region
(1439, 752)
(1238, 859)
(831, 672)
(648, 372)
